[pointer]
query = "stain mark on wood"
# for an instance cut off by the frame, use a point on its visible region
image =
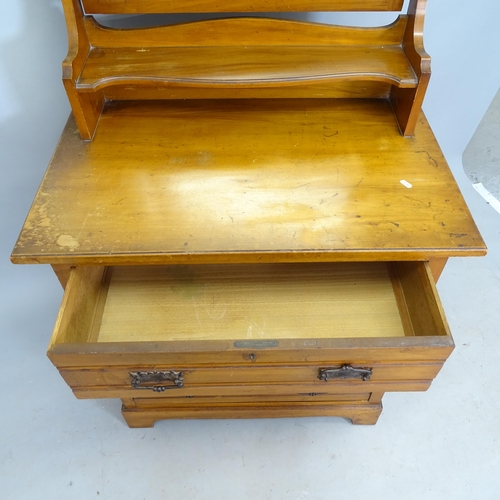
(430, 159)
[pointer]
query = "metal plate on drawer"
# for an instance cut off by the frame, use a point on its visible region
(256, 344)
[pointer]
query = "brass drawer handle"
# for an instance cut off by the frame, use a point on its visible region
(344, 372)
(139, 378)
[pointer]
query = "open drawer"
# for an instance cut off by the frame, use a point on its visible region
(254, 331)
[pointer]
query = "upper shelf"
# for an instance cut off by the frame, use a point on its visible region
(244, 57)
(257, 66)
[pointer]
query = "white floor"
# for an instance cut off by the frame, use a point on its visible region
(441, 444)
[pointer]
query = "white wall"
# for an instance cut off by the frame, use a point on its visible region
(33, 109)
(463, 40)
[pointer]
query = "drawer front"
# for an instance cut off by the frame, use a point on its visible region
(182, 382)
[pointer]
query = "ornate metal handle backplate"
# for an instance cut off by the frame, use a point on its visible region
(143, 380)
(344, 372)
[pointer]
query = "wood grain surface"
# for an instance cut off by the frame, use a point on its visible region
(160, 6)
(244, 52)
(244, 31)
(260, 66)
(150, 303)
(247, 181)
(359, 414)
(293, 391)
(271, 379)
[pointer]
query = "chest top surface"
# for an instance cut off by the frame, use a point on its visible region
(250, 180)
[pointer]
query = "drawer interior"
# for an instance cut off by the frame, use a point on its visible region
(249, 303)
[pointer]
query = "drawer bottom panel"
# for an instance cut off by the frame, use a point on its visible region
(243, 398)
(292, 392)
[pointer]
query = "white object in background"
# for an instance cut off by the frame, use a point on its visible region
(490, 199)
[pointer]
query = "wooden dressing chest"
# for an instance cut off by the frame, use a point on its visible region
(228, 254)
